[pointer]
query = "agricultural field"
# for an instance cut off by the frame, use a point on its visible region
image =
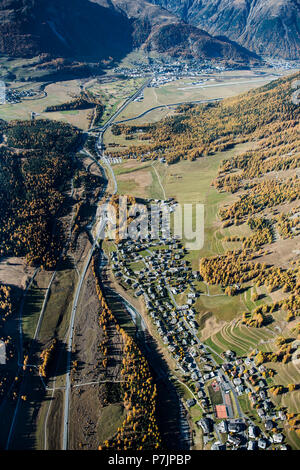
(222, 307)
(210, 86)
(55, 94)
(112, 94)
(156, 102)
(247, 318)
(190, 182)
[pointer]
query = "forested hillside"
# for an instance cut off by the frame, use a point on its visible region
(35, 167)
(197, 131)
(252, 235)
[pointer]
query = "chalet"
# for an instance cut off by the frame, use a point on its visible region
(252, 432)
(237, 381)
(223, 426)
(234, 440)
(261, 384)
(226, 366)
(238, 362)
(191, 402)
(262, 395)
(248, 361)
(267, 405)
(192, 295)
(278, 438)
(229, 354)
(205, 402)
(217, 446)
(206, 425)
(269, 425)
(234, 427)
(262, 443)
(252, 445)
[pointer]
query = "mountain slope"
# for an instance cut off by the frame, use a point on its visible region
(77, 28)
(182, 40)
(268, 27)
(99, 29)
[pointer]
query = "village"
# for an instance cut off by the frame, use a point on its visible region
(170, 70)
(14, 96)
(156, 271)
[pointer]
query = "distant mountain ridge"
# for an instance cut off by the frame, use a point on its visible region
(103, 29)
(267, 27)
(78, 28)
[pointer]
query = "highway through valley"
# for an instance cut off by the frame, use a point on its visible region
(100, 227)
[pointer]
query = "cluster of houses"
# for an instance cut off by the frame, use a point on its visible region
(236, 434)
(219, 421)
(157, 271)
(14, 96)
(248, 378)
(170, 70)
(112, 160)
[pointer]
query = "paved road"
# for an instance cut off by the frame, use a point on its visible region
(223, 377)
(265, 79)
(20, 357)
(172, 105)
(99, 231)
(101, 227)
(100, 152)
(121, 109)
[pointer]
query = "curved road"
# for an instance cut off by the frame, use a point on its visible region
(212, 100)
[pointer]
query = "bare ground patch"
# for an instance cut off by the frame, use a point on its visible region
(14, 271)
(88, 399)
(282, 252)
(142, 179)
(211, 326)
(55, 421)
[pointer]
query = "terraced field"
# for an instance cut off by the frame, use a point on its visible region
(288, 374)
(241, 338)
